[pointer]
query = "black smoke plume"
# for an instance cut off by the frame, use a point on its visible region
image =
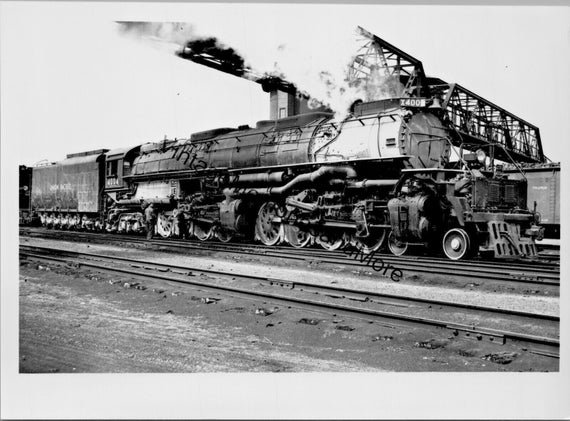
(209, 52)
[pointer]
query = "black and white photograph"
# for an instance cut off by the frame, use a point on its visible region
(284, 210)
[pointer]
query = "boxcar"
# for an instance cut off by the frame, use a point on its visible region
(25, 186)
(544, 193)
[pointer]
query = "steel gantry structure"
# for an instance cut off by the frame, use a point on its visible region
(480, 123)
(378, 58)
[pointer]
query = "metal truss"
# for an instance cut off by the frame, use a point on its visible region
(481, 123)
(377, 57)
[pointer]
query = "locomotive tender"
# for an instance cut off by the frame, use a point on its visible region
(383, 175)
(69, 194)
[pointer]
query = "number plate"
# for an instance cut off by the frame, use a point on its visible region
(412, 102)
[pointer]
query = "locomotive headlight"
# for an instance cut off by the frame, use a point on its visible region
(481, 156)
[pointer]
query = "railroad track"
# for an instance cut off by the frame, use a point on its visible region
(464, 320)
(536, 273)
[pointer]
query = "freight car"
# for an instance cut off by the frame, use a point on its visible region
(543, 194)
(25, 187)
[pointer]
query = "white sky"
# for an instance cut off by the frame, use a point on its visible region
(71, 83)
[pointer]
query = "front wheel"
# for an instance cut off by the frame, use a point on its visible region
(456, 244)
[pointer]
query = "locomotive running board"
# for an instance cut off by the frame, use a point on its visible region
(320, 163)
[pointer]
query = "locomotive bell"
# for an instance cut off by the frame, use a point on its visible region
(436, 104)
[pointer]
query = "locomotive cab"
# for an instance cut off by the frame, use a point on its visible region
(118, 165)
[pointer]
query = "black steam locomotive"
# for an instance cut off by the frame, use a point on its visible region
(384, 175)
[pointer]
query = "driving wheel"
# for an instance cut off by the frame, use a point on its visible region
(396, 247)
(202, 230)
(266, 228)
(330, 241)
(164, 225)
(296, 236)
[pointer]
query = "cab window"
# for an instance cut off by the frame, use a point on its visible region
(112, 168)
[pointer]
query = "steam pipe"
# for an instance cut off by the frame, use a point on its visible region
(368, 184)
(312, 177)
(258, 178)
(126, 202)
(155, 201)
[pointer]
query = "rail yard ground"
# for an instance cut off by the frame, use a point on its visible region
(75, 319)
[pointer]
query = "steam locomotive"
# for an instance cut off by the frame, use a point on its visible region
(384, 175)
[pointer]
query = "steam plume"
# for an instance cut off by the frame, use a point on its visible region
(174, 33)
(280, 68)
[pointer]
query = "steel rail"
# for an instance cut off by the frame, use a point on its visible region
(326, 253)
(541, 265)
(512, 273)
(435, 266)
(327, 288)
(479, 333)
(291, 253)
